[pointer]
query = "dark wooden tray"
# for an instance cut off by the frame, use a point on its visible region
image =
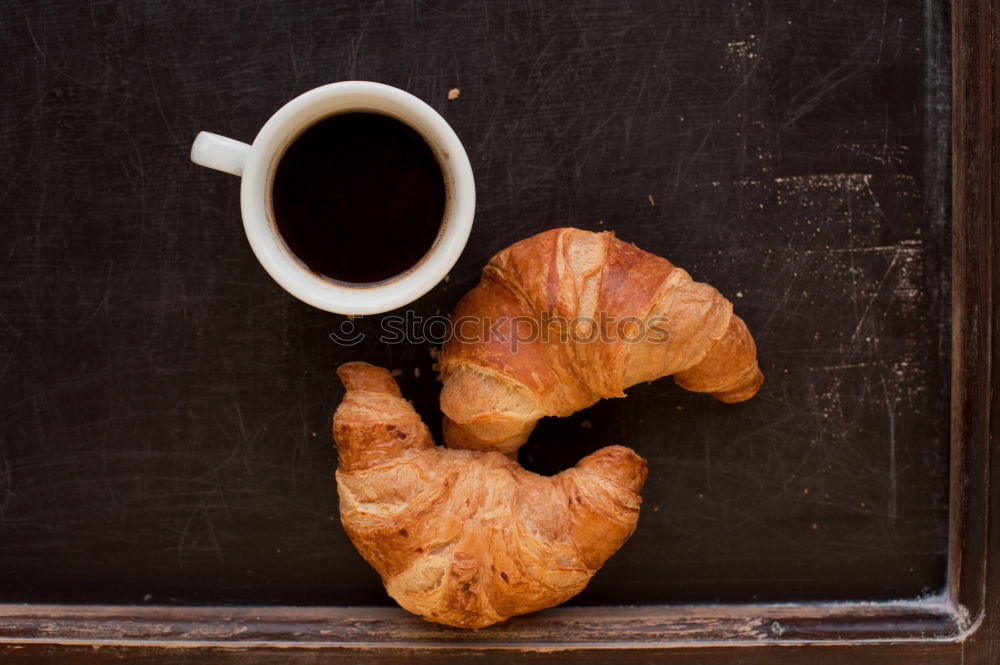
(166, 472)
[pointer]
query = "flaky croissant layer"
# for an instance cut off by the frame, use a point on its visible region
(494, 392)
(469, 538)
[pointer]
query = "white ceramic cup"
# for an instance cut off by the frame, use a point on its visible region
(256, 165)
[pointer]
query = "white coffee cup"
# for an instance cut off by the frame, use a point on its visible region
(256, 164)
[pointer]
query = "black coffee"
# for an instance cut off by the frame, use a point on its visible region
(359, 197)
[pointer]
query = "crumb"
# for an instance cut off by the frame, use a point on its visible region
(586, 424)
(862, 504)
(651, 201)
(680, 408)
(454, 93)
(434, 352)
(805, 490)
(601, 222)
(815, 526)
(416, 372)
(436, 367)
(396, 372)
(350, 317)
(656, 509)
(314, 435)
(447, 278)
(739, 294)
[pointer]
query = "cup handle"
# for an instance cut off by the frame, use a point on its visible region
(220, 153)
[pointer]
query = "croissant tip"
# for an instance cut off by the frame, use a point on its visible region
(359, 375)
(742, 392)
(618, 463)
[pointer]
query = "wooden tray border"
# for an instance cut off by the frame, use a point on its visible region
(962, 625)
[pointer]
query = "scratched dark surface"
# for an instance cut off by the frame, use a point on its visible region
(165, 407)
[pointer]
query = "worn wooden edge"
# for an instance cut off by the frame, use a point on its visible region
(974, 550)
(975, 538)
(832, 654)
(974, 273)
(559, 629)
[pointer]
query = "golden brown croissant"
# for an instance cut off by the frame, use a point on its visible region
(469, 538)
(502, 372)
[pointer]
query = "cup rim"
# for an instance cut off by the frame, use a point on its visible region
(269, 248)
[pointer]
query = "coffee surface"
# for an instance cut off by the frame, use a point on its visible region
(359, 197)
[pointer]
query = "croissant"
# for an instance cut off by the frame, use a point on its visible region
(469, 538)
(567, 317)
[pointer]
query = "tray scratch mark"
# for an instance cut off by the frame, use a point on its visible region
(874, 297)
(200, 509)
(5, 481)
(893, 483)
(827, 84)
(31, 33)
(826, 368)
(159, 107)
(777, 308)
